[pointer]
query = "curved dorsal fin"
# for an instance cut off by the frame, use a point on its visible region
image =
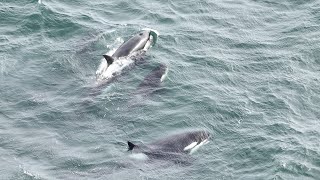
(109, 59)
(130, 146)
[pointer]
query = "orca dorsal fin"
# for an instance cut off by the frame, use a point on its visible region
(109, 59)
(130, 146)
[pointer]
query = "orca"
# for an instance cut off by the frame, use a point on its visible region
(171, 147)
(153, 80)
(126, 55)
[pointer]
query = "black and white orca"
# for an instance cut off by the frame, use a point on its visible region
(153, 80)
(172, 146)
(126, 54)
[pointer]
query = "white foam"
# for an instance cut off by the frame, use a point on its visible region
(39, 1)
(153, 33)
(149, 29)
(104, 65)
(108, 72)
(190, 146)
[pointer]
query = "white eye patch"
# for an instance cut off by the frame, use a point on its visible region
(195, 148)
(190, 146)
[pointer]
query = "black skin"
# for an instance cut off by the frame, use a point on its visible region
(126, 47)
(152, 80)
(171, 147)
(122, 51)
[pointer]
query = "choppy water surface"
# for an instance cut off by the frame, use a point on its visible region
(247, 71)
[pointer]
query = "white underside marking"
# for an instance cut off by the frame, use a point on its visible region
(136, 47)
(190, 146)
(206, 142)
(148, 44)
(139, 156)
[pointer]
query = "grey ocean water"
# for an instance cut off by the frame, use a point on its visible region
(248, 71)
